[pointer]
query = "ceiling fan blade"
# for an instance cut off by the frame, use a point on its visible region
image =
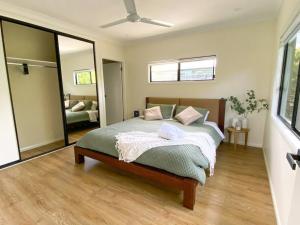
(156, 22)
(130, 6)
(114, 23)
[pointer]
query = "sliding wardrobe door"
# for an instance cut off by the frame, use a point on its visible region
(35, 89)
(8, 140)
(79, 78)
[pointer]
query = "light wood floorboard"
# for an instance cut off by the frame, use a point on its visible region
(73, 137)
(53, 190)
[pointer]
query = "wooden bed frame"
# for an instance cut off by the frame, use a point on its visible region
(187, 185)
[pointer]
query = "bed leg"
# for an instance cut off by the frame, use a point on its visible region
(189, 193)
(78, 157)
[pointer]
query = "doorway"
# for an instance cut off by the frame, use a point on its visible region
(113, 88)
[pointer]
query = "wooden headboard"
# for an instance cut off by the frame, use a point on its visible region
(216, 107)
(83, 97)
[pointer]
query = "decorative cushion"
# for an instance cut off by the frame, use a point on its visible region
(78, 107)
(88, 104)
(67, 104)
(73, 103)
(202, 111)
(167, 110)
(153, 113)
(188, 116)
(94, 105)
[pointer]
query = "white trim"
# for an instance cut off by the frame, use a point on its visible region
(275, 204)
(291, 30)
(26, 148)
(43, 155)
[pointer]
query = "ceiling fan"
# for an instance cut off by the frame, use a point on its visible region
(133, 17)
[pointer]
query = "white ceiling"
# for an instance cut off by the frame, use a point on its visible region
(184, 14)
(71, 45)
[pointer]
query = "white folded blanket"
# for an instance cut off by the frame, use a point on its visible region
(170, 132)
(93, 115)
(131, 145)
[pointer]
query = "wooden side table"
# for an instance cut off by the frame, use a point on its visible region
(236, 133)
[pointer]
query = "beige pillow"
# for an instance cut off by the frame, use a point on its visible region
(79, 106)
(153, 113)
(67, 104)
(188, 116)
(94, 106)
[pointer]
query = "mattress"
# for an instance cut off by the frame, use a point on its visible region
(75, 117)
(181, 160)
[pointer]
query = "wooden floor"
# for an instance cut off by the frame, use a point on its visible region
(43, 149)
(53, 190)
(77, 134)
(73, 137)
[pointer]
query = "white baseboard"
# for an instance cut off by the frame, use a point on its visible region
(23, 149)
(275, 205)
(251, 144)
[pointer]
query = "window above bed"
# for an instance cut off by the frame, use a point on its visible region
(189, 69)
(84, 77)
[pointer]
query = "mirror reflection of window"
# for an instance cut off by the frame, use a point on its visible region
(80, 86)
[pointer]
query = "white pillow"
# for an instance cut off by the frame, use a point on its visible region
(67, 104)
(170, 132)
(94, 106)
(188, 116)
(79, 106)
(153, 113)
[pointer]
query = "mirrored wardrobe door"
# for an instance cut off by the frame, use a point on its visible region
(35, 90)
(80, 86)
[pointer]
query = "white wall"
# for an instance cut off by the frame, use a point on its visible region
(278, 140)
(245, 60)
(77, 61)
(8, 140)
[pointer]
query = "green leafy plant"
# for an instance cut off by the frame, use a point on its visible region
(249, 106)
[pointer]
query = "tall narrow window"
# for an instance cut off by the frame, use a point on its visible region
(289, 90)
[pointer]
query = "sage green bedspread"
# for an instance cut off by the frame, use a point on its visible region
(74, 117)
(182, 160)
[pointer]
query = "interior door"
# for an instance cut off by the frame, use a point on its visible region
(295, 206)
(112, 72)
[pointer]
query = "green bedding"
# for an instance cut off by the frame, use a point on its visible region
(182, 160)
(75, 117)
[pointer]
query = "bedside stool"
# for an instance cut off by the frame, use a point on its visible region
(236, 133)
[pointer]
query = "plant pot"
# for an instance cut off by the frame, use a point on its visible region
(244, 123)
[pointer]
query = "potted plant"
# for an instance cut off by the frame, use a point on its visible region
(247, 107)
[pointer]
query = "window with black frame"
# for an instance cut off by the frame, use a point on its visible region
(84, 77)
(290, 85)
(190, 69)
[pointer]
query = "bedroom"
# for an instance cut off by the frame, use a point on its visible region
(246, 41)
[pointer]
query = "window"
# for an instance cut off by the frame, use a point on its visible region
(193, 69)
(84, 77)
(164, 72)
(289, 88)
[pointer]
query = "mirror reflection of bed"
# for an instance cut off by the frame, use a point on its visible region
(80, 87)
